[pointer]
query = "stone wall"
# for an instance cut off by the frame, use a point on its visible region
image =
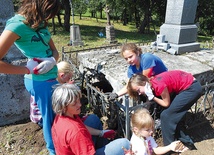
(200, 64)
(15, 100)
(14, 103)
(6, 11)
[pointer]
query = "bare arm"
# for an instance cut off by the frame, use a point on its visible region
(165, 101)
(123, 91)
(53, 48)
(161, 149)
(92, 131)
(176, 146)
(7, 39)
(147, 72)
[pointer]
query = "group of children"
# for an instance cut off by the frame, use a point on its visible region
(67, 107)
(64, 132)
(175, 90)
(159, 88)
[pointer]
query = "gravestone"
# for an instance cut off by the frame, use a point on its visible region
(179, 29)
(14, 104)
(75, 36)
(110, 33)
(6, 11)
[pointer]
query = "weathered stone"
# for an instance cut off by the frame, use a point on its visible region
(6, 11)
(75, 36)
(15, 100)
(200, 64)
(179, 29)
(14, 104)
(110, 34)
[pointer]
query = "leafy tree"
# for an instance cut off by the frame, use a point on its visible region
(205, 17)
(80, 7)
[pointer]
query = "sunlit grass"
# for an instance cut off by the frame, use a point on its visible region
(89, 28)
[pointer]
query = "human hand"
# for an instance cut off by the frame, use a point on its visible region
(107, 134)
(31, 64)
(45, 65)
(130, 151)
(148, 91)
(177, 146)
(112, 96)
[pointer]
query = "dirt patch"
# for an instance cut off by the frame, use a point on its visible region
(22, 138)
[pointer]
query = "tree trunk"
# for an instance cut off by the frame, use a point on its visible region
(146, 20)
(101, 15)
(125, 21)
(54, 26)
(67, 15)
(59, 20)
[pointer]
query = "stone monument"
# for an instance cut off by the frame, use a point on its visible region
(110, 33)
(75, 36)
(6, 11)
(15, 100)
(179, 32)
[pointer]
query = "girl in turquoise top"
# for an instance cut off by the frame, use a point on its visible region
(28, 31)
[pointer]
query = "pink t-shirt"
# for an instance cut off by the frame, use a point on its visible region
(175, 81)
(71, 137)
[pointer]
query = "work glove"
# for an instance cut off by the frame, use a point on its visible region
(107, 134)
(148, 91)
(112, 96)
(45, 65)
(31, 64)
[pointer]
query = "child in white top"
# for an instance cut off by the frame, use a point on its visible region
(142, 141)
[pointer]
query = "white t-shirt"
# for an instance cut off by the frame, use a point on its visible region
(138, 145)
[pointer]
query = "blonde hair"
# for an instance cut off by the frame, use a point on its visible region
(141, 118)
(64, 67)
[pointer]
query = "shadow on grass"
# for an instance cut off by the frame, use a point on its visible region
(89, 35)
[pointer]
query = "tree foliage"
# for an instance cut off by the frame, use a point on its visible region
(144, 13)
(205, 17)
(80, 7)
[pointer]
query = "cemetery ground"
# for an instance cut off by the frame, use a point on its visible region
(26, 137)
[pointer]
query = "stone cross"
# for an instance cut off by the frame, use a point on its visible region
(110, 33)
(107, 10)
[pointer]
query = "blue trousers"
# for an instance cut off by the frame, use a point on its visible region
(42, 91)
(102, 145)
(171, 116)
(94, 122)
(114, 147)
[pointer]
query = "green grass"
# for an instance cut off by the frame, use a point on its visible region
(89, 28)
